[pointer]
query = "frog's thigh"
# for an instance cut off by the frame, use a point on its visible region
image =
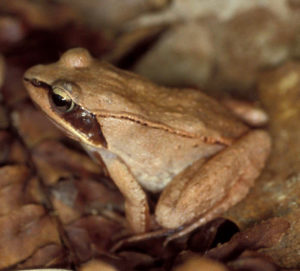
(136, 206)
(207, 191)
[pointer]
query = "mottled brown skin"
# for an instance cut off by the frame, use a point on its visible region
(178, 141)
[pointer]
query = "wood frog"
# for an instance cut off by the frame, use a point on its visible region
(179, 142)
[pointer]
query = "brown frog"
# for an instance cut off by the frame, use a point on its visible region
(179, 142)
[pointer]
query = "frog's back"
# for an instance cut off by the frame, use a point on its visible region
(187, 112)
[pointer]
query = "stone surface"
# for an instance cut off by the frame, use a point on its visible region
(276, 192)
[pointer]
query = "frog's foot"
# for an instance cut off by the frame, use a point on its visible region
(248, 112)
(204, 193)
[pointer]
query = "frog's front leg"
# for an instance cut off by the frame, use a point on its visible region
(204, 192)
(136, 205)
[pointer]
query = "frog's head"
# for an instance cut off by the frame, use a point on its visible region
(55, 90)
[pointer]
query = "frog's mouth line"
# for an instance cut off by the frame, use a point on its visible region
(83, 123)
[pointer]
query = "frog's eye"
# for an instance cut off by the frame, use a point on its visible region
(61, 100)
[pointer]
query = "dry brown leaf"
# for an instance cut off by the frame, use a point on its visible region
(50, 159)
(265, 234)
(92, 236)
(23, 232)
(94, 265)
(33, 126)
(75, 198)
(199, 263)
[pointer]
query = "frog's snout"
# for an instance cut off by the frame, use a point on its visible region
(33, 72)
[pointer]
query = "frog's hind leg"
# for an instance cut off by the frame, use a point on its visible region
(201, 193)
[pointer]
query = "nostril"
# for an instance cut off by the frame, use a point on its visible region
(35, 82)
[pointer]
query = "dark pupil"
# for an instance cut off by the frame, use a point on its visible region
(61, 101)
